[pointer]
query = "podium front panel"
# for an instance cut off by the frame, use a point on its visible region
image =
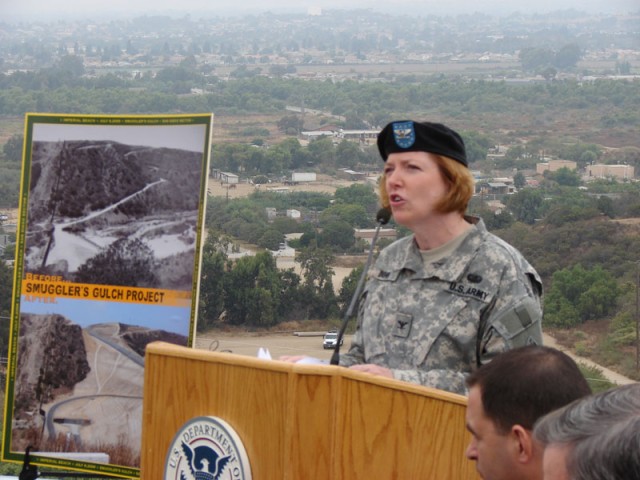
(304, 421)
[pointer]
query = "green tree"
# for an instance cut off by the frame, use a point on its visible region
(524, 156)
(308, 239)
(348, 154)
(623, 68)
(476, 145)
(71, 64)
(9, 185)
(577, 295)
(271, 239)
(525, 205)
(347, 290)
(285, 225)
(534, 59)
(549, 73)
(606, 206)
(336, 235)
(558, 310)
(600, 298)
(13, 148)
(189, 62)
(177, 74)
(354, 215)
(622, 329)
(582, 153)
(564, 214)
(230, 157)
(566, 177)
(322, 151)
(212, 272)
(519, 180)
(292, 300)
(588, 157)
(570, 205)
(297, 156)
(6, 286)
(362, 194)
(567, 56)
(9, 252)
(493, 220)
(252, 291)
(317, 286)
(291, 124)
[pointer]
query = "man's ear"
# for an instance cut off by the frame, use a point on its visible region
(523, 443)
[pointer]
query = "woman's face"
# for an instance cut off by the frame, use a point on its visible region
(415, 187)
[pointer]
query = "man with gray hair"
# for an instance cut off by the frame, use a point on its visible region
(594, 438)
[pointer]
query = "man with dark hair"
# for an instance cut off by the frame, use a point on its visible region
(506, 397)
(594, 438)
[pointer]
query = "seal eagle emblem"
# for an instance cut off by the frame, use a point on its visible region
(207, 448)
(204, 463)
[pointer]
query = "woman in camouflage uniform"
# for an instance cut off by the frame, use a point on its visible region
(445, 299)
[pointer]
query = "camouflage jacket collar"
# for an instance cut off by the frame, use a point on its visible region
(407, 256)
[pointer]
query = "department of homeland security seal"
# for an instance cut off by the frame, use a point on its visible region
(404, 134)
(207, 448)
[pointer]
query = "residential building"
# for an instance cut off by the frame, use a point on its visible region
(555, 165)
(621, 172)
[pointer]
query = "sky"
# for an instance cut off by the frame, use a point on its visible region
(53, 9)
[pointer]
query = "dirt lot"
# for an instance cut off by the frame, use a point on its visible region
(278, 344)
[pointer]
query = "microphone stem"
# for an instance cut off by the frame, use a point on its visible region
(335, 357)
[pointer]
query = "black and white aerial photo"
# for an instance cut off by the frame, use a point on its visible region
(113, 212)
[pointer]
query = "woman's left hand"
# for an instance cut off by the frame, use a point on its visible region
(372, 369)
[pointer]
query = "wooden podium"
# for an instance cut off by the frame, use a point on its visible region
(304, 422)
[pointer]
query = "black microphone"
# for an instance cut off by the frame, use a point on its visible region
(382, 217)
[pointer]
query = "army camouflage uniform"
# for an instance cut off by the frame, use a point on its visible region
(434, 323)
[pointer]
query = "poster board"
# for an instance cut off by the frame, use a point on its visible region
(107, 260)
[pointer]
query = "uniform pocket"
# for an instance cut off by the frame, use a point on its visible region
(447, 320)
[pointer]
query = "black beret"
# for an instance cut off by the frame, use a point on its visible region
(410, 136)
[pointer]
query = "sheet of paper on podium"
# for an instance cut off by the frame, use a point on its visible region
(265, 354)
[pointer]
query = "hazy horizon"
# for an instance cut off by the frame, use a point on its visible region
(42, 10)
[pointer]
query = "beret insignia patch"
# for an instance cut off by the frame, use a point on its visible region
(404, 134)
